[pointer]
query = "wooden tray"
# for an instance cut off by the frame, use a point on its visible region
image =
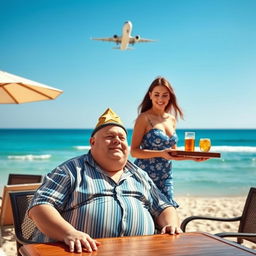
(195, 154)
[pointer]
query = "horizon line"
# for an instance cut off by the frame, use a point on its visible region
(48, 128)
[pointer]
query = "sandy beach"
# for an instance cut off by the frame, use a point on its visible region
(212, 206)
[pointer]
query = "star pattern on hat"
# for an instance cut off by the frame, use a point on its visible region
(109, 116)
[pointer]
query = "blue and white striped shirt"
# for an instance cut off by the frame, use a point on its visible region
(95, 204)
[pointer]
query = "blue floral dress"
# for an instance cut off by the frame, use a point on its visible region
(158, 168)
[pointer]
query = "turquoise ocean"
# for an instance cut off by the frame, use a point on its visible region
(38, 151)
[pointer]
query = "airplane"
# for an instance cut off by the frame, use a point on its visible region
(125, 39)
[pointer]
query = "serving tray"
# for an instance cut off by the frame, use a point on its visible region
(195, 154)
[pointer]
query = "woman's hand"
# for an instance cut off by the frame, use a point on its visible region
(200, 159)
(166, 153)
(77, 240)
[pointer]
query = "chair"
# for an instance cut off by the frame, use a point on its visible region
(14, 179)
(23, 225)
(23, 179)
(247, 225)
(6, 217)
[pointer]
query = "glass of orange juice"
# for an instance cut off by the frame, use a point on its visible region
(205, 144)
(189, 141)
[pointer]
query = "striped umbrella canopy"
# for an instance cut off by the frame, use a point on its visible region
(15, 90)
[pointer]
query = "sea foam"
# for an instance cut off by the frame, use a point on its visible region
(213, 148)
(29, 157)
(241, 149)
(82, 147)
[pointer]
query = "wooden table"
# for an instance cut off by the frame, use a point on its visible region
(185, 244)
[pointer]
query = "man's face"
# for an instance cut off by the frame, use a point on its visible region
(109, 147)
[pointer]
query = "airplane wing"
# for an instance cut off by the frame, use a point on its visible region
(134, 40)
(115, 39)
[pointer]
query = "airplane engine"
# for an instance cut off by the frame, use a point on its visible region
(137, 38)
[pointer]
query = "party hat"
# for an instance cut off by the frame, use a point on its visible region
(109, 117)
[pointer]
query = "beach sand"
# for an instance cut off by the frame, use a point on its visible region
(226, 207)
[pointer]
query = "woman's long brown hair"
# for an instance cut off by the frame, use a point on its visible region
(172, 106)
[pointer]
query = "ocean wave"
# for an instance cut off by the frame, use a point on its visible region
(82, 147)
(242, 149)
(29, 157)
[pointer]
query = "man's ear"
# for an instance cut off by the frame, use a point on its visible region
(92, 141)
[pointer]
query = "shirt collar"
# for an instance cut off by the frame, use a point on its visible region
(89, 159)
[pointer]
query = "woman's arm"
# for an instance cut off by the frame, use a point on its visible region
(137, 136)
(139, 131)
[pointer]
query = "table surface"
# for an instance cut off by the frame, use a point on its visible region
(193, 243)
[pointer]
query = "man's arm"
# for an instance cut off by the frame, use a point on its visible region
(168, 221)
(52, 224)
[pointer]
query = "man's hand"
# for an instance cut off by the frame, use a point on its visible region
(168, 229)
(169, 221)
(51, 223)
(78, 240)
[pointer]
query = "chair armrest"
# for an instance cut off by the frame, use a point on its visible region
(235, 234)
(25, 241)
(187, 220)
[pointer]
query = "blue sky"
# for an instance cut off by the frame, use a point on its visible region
(205, 48)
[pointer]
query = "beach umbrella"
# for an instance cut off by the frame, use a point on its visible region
(15, 90)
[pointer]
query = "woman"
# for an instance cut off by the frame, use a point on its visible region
(154, 134)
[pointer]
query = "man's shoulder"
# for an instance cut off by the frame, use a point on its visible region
(136, 169)
(131, 166)
(77, 161)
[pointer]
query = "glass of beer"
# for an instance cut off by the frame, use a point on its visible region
(189, 141)
(205, 144)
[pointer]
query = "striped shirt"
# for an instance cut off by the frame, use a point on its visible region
(95, 204)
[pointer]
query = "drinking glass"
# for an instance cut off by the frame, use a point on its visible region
(205, 144)
(189, 141)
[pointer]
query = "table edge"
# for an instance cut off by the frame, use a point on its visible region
(24, 252)
(227, 242)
